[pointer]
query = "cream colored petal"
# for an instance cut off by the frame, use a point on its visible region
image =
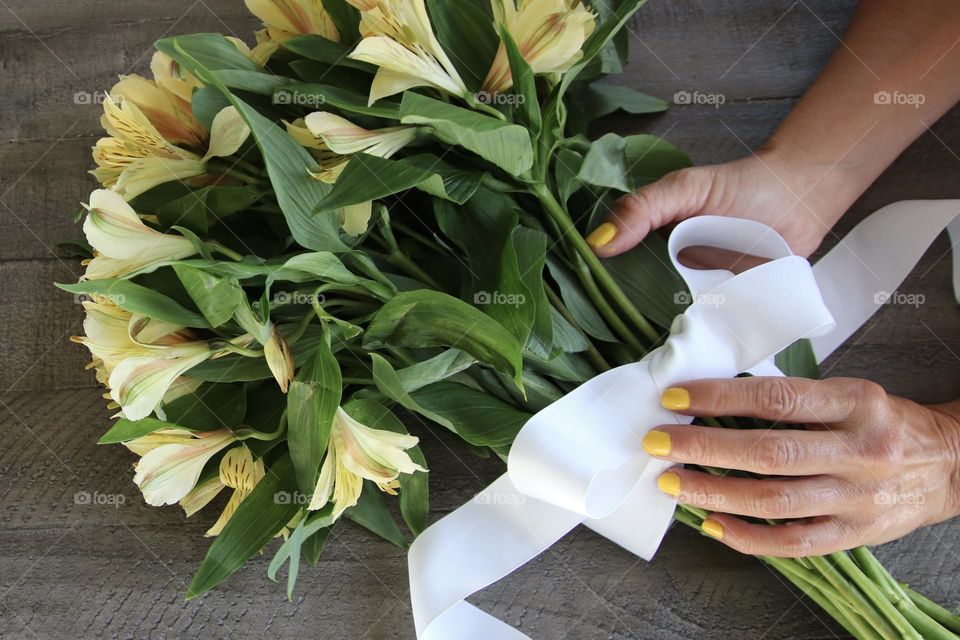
(138, 384)
(355, 219)
(227, 134)
(201, 495)
(168, 473)
(146, 173)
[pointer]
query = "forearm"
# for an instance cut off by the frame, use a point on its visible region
(895, 73)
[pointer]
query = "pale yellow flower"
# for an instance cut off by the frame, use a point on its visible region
(124, 245)
(137, 157)
(356, 452)
(279, 358)
(398, 38)
(113, 334)
(240, 472)
(286, 19)
(173, 460)
(549, 33)
(140, 383)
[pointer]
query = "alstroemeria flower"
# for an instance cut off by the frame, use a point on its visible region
(140, 383)
(549, 33)
(171, 115)
(173, 461)
(123, 243)
(345, 138)
(399, 39)
(137, 157)
(285, 19)
(356, 452)
(114, 334)
(279, 358)
(240, 472)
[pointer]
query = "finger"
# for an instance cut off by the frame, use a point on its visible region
(815, 537)
(676, 197)
(763, 451)
(703, 257)
(778, 399)
(774, 499)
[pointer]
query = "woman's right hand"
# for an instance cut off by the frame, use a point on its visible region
(800, 203)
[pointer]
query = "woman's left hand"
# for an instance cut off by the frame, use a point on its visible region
(867, 468)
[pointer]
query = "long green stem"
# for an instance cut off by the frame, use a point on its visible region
(556, 211)
(596, 358)
(949, 620)
(877, 597)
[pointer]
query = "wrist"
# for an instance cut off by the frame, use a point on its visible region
(947, 420)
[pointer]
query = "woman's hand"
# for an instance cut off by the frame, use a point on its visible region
(801, 202)
(868, 468)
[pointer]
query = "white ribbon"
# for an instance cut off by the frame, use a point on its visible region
(580, 460)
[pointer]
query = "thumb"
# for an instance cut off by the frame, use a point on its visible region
(674, 198)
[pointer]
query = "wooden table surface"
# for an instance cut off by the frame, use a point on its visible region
(72, 570)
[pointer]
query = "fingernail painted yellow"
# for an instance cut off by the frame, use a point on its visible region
(713, 529)
(602, 236)
(657, 443)
(669, 483)
(675, 399)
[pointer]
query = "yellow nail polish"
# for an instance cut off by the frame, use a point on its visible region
(602, 235)
(669, 483)
(675, 399)
(657, 443)
(713, 529)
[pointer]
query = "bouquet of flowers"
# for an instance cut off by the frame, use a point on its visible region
(379, 207)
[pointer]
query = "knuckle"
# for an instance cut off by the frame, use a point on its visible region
(887, 447)
(776, 398)
(693, 446)
(772, 500)
(776, 453)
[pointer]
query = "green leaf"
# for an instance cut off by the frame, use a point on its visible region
(433, 319)
(318, 48)
(139, 299)
(605, 164)
(212, 406)
(578, 303)
(287, 164)
(124, 430)
(321, 95)
(439, 367)
(649, 158)
(264, 84)
(799, 361)
(475, 416)
(464, 29)
(524, 87)
(260, 516)
(649, 280)
(504, 144)
(312, 403)
(206, 103)
(599, 100)
(372, 514)
(531, 250)
(347, 19)
(217, 298)
(311, 533)
(414, 487)
(212, 51)
(367, 178)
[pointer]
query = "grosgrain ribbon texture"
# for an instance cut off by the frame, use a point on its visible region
(581, 461)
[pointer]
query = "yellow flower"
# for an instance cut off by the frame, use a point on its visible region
(279, 358)
(139, 383)
(240, 472)
(285, 19)
(124, 245)
(137, 157)
(171, 77)
(172, 461)
(549, 33)
(171, 115)
(113, 334)
(356, 452)
(399, 39)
